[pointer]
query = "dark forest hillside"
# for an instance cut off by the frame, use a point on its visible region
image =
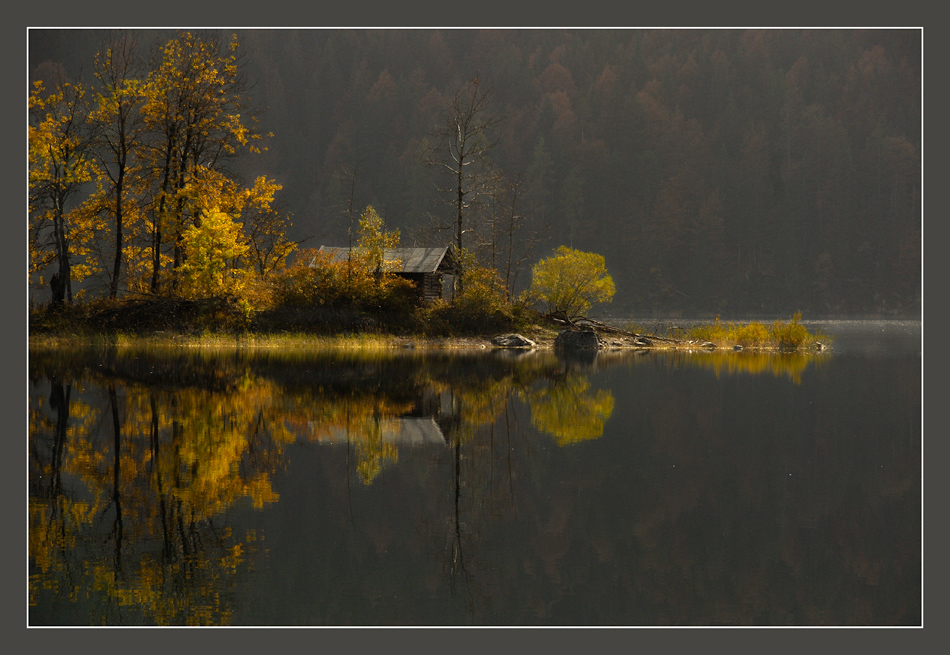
(741, 172)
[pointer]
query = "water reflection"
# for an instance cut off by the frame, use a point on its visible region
(127, 484)
(790, 365)
(148, 451)
(569, 410)
(188, 487)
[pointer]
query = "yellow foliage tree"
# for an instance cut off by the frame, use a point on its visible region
(571, 281)
(193, 110)
(373, 242)
(118, 145)
(266, 227)
(59, 165)
(483, 293)
(153, 146)
(212, 251)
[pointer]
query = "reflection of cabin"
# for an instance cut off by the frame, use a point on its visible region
(434, 414)
(425, 267)
(399, 430)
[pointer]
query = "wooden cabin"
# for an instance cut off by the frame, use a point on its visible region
(425, 267)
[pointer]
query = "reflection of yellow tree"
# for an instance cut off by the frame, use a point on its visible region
(366, 417)
(170, 462)
(216, 431)
(372, 452)
(481, 404)
(156, 585)
(54, 525)
(196, 445)
(152, 468)
(363, 418)
(56, 515)
(569, 411)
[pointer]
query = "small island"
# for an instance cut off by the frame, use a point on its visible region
(380, 295)
(460, 323)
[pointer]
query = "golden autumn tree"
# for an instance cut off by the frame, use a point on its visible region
(373, 242)
(571, 281)
(266, 225)
(212, 251)
(122, 170)
(194, 110)
(60, 165)
(235, 232)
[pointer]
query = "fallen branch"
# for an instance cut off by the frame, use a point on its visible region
(581, 322)
(609, 329)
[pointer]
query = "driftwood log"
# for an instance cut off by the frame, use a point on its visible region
(582, 323)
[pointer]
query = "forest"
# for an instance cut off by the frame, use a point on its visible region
(717, 171)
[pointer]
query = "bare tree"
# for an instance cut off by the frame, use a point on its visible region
(504, 240)
(348, 175)
(519, 243)
(461, 148)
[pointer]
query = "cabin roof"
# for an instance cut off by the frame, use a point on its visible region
(412, 260)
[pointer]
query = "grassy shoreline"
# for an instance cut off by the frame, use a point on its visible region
(295, 340)
(791, 336)
(81, 326)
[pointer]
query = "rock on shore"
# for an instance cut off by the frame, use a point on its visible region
(513, 341)
(578, 340)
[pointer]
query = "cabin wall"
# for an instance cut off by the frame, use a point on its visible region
(429, 285)
(432, 287)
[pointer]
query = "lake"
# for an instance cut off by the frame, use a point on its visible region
(178, 486)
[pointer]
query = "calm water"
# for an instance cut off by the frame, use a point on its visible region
(293, 488)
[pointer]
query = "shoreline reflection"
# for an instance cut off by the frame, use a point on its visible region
(154, 477)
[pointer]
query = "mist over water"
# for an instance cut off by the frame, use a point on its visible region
(881, 337)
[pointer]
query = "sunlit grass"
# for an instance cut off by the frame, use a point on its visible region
(780, 335)
(784, 335)
(360, 341)
(222, 341)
